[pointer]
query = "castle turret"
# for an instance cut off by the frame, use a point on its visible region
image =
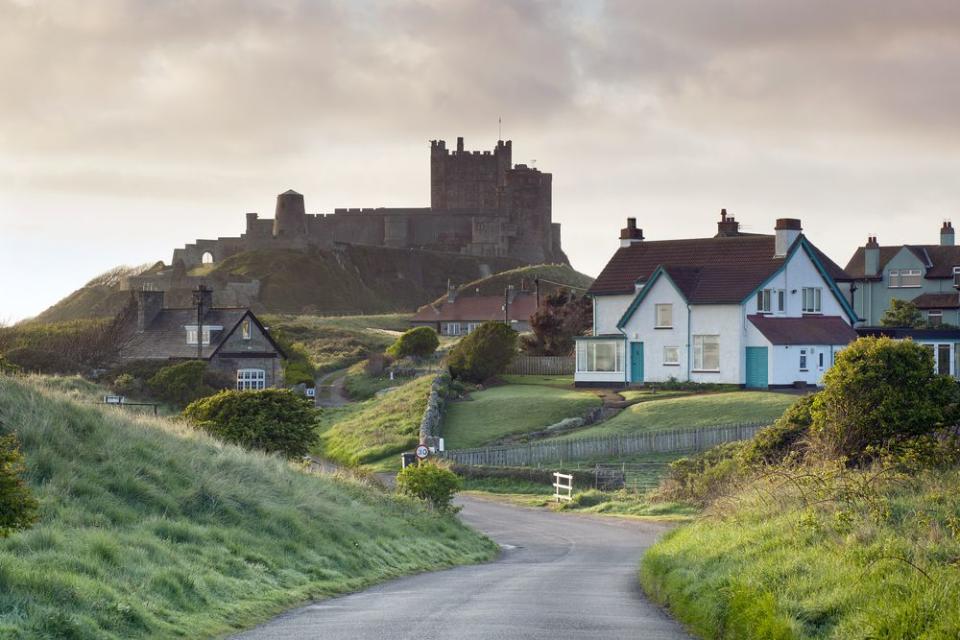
(290, 218)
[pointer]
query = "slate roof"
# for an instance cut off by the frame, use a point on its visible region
(938, 260)
(466, 308)
(166, 336)
(937, 301)
(809, 330)
(720, 270)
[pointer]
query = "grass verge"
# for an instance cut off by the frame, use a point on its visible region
(510, 410)
(150, 529)
(872, 557)
(565, 382)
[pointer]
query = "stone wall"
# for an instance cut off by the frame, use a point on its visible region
(433, 415)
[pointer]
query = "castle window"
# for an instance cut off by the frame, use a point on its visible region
(206, 258)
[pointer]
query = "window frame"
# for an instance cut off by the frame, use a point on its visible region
(804, 360)
(771, 301)
(935, 313)
(668, 362)
(246, 329)
(816, 295)
(699, 352)
(251, 379)
(893, 279)
(656, 313)
(587, 356)
(911, 273)
(956, 276)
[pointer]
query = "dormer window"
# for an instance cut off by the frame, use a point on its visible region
(208, 329)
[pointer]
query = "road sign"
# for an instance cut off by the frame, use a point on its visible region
(113, 399)
(311, 392)
(423, 451)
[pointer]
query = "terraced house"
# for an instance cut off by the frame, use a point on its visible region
(736, 308)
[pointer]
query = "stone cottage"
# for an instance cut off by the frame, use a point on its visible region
(231, 340)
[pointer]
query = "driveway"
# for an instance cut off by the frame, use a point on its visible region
(559, 576)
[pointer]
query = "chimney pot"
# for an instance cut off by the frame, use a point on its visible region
(946, 234)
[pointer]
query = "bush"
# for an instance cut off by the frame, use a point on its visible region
(429, 482)
(36, 360)
(125, 384)
(484, 353)
(18, 507)
(703, 477)
(272, 420)
(418, 342)
(376, 364)
(878, 392)
(181, 384)
(774, 444)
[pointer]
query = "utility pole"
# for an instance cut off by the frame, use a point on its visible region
(536, 285)
(506, 306)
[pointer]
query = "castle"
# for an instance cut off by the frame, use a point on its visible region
(480, 205)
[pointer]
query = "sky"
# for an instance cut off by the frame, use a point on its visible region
(131, 127)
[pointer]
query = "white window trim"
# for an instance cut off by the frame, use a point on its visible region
(671, 363)
(817, 300)
(208, 330)
(893, 279)
(656, 312)
(918, 273)
(251, 379)
(772, 301)
(804, 360)
(246, 329)
(698, 365)
(587, 357)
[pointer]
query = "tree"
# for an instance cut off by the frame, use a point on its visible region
(272, 420)
(418, 342)
(560, 318)
(182, 383)
(902, 313)
(878, 392)
(18, 507)
(430, 483)
(483, 353)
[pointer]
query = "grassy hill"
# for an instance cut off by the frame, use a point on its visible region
(150, 529)
(866, 555)
(496, 283)
(99, 298)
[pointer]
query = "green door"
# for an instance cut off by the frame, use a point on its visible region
(757, 367)
(636, 362)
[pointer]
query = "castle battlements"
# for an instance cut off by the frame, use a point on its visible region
(480, 204)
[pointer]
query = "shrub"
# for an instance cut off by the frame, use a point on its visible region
(484, 353)
(429, 482)
(703, 477)
(8, 367)
(878, 392)
(181, 384)
(37, 360)
(773, 444)
(418, 342)
(902, 313)
(272, 420)
(18, 507)
(125, 384)
(376, 364)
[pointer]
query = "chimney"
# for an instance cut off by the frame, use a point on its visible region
(871, 257)
(728, 226)
(630, 235)
(787, 231)
(946, 234)
(149, 304)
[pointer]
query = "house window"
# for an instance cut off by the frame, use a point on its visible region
(893, 279)
(472, 326)
(770, 301)
(706, 353)
(671, 356)
(600, 356)
(910, 278)
(811, 299)
(664, 316)
(245, 329)
(451, 329)
(943, 359)
(935, 318)
(956, 276)
(251, 379)
(820, 362)
(803, 359)
(192, 333)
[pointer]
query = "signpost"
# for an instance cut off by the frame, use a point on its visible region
(563, 486)
(422, 452)
(311, 392)
(113, 399)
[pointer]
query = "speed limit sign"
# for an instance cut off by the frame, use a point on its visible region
(423, 451)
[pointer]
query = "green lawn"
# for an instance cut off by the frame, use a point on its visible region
(151, 529)
(511, 409)
(876, 561)
(543, 381)
(692, 411)
(375, 429)
(645, 395)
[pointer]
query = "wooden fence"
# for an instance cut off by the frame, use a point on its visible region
(542, 366)
(553, 451)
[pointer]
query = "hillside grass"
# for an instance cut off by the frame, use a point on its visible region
(150, 529)
(495, 284)
(564, 382)
(690, 412)
(510, 410)
(359, 385)
(879, 561)
(370, 431)
(339, 341)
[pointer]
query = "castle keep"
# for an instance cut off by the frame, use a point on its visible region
(480, 205)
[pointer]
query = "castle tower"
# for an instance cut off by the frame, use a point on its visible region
(290, 218)
(463, 179)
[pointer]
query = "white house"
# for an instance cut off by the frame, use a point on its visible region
(756, 310)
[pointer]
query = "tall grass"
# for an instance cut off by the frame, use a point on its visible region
(150, 529)
(818, 554)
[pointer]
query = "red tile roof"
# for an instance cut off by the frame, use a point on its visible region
(937, 301)
(467, 308)
(716, 270)
(808, 330)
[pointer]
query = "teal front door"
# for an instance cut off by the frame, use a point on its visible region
(636, 362)
(757, 367)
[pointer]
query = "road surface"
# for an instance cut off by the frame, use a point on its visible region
(559, 576)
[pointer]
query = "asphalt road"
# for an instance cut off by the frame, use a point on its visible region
(559, 576)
